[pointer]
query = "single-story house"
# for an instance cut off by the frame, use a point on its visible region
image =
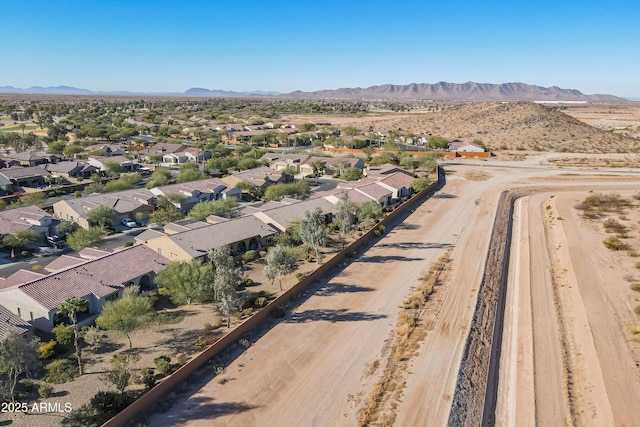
(71, 169)
(241, 234)
(261, 177)
(33, 176)
(466, 147)
(329, 165)
(281, 217)
(175, 153)
(28, 217)
(280, 161)
(108, 149)
(126, 204)
(198, 191)
(12, 324)
(101, 161)
(96, 281)
(6, 186)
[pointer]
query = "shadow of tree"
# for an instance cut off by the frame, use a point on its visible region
(445, 196)
(407, 226)
(329, 315)
(181, 342)
(415, 245)
(107, 346)
(341, 288)
(202, 408)
(388, 258)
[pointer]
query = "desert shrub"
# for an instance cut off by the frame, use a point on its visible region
(260, 302)
(60, 371)
(613, 226)
(147, 377)
(614, 243)
(248, 282)
(249, 256)
(299, 276)
(128, 244)
(247, 312)
(599, 203)
(168, 318)
(64, 334)
(109, 402)
(182, 358)
(93, 337)
(163, 364)
(200, 343)
(45, 390)
(47, 350)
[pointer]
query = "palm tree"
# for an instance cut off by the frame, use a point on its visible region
(71, 307)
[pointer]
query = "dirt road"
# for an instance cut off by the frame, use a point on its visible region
(567, 361)
(318, 366)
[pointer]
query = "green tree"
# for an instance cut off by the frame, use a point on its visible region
(351, 174)
(369, 211)
(279, 262)
(312, 231)
(21, 239)
(84, 238)
(420, 183)
(228, 281)
(253, 190)
(202, 210)
(159, 177)
(102, 216)
(33, 198)
(126, 315)
(18, 355)
(120, 372)
(156, 158)
(56, 147)
(347, 216)
(113, 168)
(71, 307)
(189, 172)
(294, 189)
(185, 282)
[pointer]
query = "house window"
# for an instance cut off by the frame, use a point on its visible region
(19, 312)
(159, 251)
(112, 297)
(31, 315)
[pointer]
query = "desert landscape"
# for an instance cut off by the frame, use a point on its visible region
(569, 355)
(508, 295)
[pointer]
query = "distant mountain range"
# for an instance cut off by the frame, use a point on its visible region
(441, 91)
(469, 91)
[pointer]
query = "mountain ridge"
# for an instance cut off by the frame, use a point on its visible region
(469, 91)
(440, 91)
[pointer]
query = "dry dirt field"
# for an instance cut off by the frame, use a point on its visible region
(568, 359)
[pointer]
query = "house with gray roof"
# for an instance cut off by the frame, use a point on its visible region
(25, 176)
(241, 234)
(282, 217)
(12, 324)
(126, 204)
(71, 169)
(198, 191)
(36, 299)
(28, 217)
(261, 177)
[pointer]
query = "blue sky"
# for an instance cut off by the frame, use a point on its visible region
(170, 46)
